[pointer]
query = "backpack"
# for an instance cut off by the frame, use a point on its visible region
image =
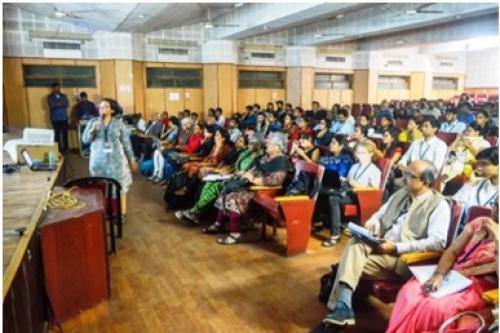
(326, 284)
(184, 201)
(146, 168)
(304, 184)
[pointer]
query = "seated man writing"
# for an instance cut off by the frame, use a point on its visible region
(415, 218)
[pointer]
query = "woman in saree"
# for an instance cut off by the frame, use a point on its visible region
(474, 254)
(271, 170)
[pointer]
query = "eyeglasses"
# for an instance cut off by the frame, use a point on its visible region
(408, 174)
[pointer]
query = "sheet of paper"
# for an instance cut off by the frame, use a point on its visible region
(452, 283)
(124, 88)
(174, 96)
(216, 177)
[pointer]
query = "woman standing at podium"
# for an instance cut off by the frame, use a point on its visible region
(110, 148)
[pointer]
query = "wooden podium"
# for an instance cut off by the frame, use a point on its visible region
(75, 260)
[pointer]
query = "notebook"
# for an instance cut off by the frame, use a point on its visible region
(364, 235)
(452, 283)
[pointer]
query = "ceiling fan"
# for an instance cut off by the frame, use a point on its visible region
(72, 14)
(210, 23)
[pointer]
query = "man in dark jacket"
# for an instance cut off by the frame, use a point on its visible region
(58, 103)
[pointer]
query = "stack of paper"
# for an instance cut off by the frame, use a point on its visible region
(453, 281)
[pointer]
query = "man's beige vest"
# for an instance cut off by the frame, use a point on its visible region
(415, 224)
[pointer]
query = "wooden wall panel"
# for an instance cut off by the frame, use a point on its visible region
(225, 77)
(360, 86)
(210, 86)
(155, 102)
(15, 106)
(38, 106)
(417, 85)
(193, 100)
(346, 96)
(108, 82)
(263, 96)
(245, 97)
(307, 87)
(333, 98)
(321, 95)
(139, 86)
(278, 94)
(124, 85)
(390, 94)
(173, 106)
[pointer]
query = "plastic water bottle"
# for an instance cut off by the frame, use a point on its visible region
(52, 159)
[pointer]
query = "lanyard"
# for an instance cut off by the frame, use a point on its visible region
(479, 191)
(420, 155)
(358, 176)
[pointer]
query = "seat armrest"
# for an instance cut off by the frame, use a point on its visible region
(196, 158)
(491, 296)
(365, 189)
(264, 188)
(291, 198)
(418, 257)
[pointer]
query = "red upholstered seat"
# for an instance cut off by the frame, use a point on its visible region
(294, 212)
(369, 201)
(448, 138)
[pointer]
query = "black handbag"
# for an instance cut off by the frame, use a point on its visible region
(235, 185)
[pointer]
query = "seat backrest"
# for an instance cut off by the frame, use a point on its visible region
(312, 168)
(493, 140)
(448, 138)
(457, 211)
(401, 124)
(477, 211)
(384, 165)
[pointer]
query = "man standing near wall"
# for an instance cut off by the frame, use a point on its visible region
(58, 103)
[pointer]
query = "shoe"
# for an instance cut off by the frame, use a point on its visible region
(342, 315)
(157, 180)
(188, 214)
(347, 232)
(331, 241)
(179, 214)
(151, 178)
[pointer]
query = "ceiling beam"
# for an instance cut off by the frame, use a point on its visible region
(383, 19)
(262, 18)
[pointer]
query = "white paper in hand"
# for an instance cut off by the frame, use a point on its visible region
(452, 283)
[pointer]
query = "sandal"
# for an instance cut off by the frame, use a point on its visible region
(229, 240)
(212, 229)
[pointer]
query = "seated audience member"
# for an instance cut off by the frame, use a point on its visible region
(323, 136)
(194, 117)
(451, 124)
(317, 112)
(233, 129)
(430, 148)
(271, 170)
(463, 151)
(391, 148)
(256, 108)
(411, 133)
(302, 128)
(386, 123)
(481, 191)
(184, 134)
(360, 133)
(365, 122)
(211, 190)
(363, 174)
(486, 128)
(337, 161)
(465, 115)
(194, 141)
(474, 253)
(273, 125)
(415, 218)
(384, 111)
(142, 143)
(211, 120)
(341, 125)
(219, 116)
(432, 110)
(297, 112)
(262, 126)
(464, 100)
(350, 118)
(220, 150)
(269, 108)
(249, 118)
(305, 149)
(85, 109)
(289, 125)
(170, 135)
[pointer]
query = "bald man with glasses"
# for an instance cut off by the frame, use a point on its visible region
(415, 218)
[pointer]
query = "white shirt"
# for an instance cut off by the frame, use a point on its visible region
(482, 193)
(234, 134)
(454, 127)
(345, 128)
(437, 229)
(431, 112)
(221, 121)
(367, 175)
(434, 150)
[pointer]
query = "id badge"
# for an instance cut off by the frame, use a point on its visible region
(108, 149)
